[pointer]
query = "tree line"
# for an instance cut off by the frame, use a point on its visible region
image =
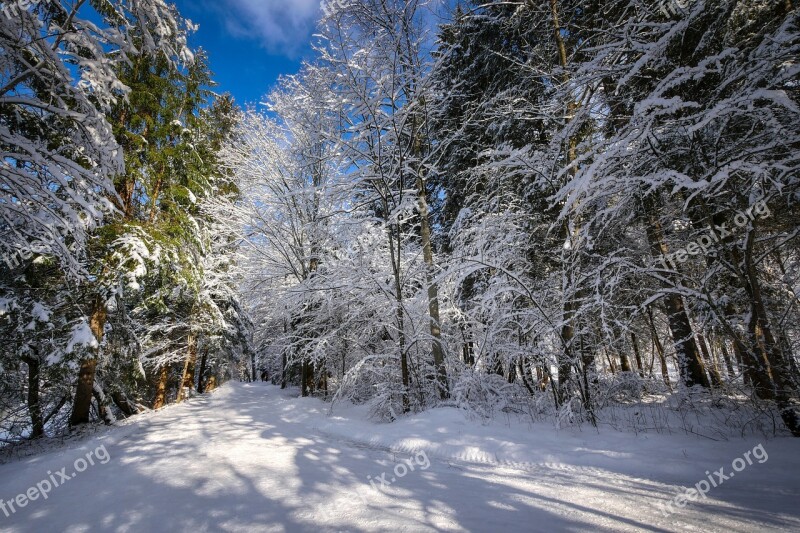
(561, 207)
(566, 203)
(115, 292)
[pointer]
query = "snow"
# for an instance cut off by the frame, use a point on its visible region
(250, 457)
(6, 305)
(40, 314)
(82, 336)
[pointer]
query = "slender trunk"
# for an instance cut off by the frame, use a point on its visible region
(427, 254)
(344, 360)
(713, 371)
(637, 355)
(567, 356)
(727, 358)
(764, 338)
(161, 387)
(154, 200)
(467, 348)
(618, 348)
(403, 357)
(624, 362)
(304, 378)
(791, 364)
(433, 292)
(783, 339)
(524, 367)
(187, 379)
(34, 405)
(201, 380)
(542, 378)
(746, 369)
(765, 365)
(690, 363)
(659, 348)
(322, 383)
(511, 376)
(611, 365)
(562, 48)
(401, 335)
(284, 356)
(86, 375)
(761, 336)
(570, 308)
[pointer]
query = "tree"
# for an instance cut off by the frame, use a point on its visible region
(376, 52)
(685, 153)
(58, 80)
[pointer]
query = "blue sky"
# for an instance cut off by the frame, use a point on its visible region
(251, 42)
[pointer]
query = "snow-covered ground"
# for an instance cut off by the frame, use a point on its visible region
(251, 457)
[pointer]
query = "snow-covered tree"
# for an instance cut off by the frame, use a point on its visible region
(59, 78)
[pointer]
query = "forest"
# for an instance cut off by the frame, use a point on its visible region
(582, 212)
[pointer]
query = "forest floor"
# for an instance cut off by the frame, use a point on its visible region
(250, 457)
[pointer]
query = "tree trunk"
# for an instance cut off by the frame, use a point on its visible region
(306, 378)
(103, 411)
(124, 403)
(611, 365)
(713, 371)
(284, 356)
(659, 348)
(83, 395)
(322, 383)
(433, 292)
(761, 337)
(427, 255)
(524, 367)
(398, 287)
(201, 380)
(187, 380)
(637, 355)
(690, 364)
(161, 387)
(34, 405)
(727, 358)
(542, 378)
(624, 362)
(746, 369)
(567, 358)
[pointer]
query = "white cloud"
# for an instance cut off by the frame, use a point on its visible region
(282, 26)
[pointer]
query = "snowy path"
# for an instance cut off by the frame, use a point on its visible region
(250, 458)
